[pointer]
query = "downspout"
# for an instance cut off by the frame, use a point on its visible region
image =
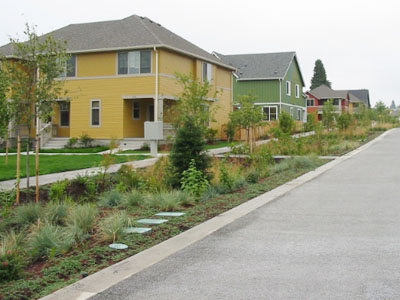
(280, 96)
(156, 92)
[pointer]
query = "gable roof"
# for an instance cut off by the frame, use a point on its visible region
(363, 95)
(260, 66)
(325, 92)
(133, 32)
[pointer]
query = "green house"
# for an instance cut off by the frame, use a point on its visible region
(275, 80)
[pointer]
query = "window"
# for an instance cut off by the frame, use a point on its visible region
(297, 91)
(310, 102)
(206, 108)
(70, 68)
(95, 113)
(288, 88)
(298, 114)
(336, 101)
(134, 62)
(270, 113)
(207, 72)
(136, 110)
(64, 114)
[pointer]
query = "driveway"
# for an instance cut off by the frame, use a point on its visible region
(334, 237)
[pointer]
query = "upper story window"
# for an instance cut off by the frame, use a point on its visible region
(134, 62)
(207, 72)
(70, 68)
(288, 88)
(297, 91)
(310, 102)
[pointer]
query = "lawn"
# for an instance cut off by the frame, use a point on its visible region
(63, 150)
(56, 163)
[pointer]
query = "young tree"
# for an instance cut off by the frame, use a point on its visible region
(5, 109)
(328, 114)
(381, 110)
(34, 90)
(319, 76)
(247, 116)
(192, 115)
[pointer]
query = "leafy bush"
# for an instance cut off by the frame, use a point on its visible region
(111, 199)
(193, 180)
(112, 227)
(58, 190)
(86, 140)
(211, 135)
(189, 146)
(11, 256)
(27, 214)
(227, 182)
(230, 131)
(253, 176)
(286, 123)
(134, 199)
(311, 123)
(261, 160)
(129, 177)
(71, 142)
(82, 187)
(344, 121)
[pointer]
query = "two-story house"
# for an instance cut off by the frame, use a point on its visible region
(274, 79)
(123, 73)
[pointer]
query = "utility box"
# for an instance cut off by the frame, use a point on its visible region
(153, 130)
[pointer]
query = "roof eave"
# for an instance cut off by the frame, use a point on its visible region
(269, 78)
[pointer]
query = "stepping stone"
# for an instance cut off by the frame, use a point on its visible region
(152, 221)
(140, 230)
(118, 246)
(170, 214)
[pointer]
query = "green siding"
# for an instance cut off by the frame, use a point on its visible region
(293, 75)
(263, 90)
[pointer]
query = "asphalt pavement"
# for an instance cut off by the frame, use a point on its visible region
(334, 237)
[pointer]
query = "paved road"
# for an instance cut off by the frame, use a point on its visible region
(335, 237)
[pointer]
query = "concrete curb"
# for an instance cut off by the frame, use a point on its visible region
(110, 276)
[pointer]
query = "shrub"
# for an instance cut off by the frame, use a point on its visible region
(286, 123)
(189, 146)
(58, 190)
(82, 217)
(129, 177)
(311, 123)
(71, 142)
(134, 199)
(47, 240)
(262, 160)
(27, 214)
(230, 131)
(226, 181)
(56, 213)
(111, 199)
(166, 201)
(253, 176)
(11, 256)
(82, 186)
(344, 121)
(86, 140)
(112, 227)
(193, 180)
(211, 135)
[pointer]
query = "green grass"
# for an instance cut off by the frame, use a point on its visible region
(76, 150)
(56, 163)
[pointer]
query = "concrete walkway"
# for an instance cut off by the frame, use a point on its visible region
(335, 237)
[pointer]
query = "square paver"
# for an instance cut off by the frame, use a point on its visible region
(170, 214)
(152, 221)
(140, 230)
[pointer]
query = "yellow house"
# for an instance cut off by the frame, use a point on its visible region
(122, 74)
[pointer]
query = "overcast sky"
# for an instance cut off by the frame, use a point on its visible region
(358, 41)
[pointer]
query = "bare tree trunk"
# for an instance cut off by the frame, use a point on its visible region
(37, 168)
(18, 167)
(28, 173)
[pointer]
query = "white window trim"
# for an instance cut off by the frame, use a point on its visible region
(91, 109)
(297, 91)
(211, 71)
(61, 126)
(288, 88)
(138, 74)
(269, 117)
(133, 109)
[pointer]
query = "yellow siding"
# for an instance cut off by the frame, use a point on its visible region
(135, 128)
(61, 131)
(171, 63)
(97, 64)
(110, 92)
